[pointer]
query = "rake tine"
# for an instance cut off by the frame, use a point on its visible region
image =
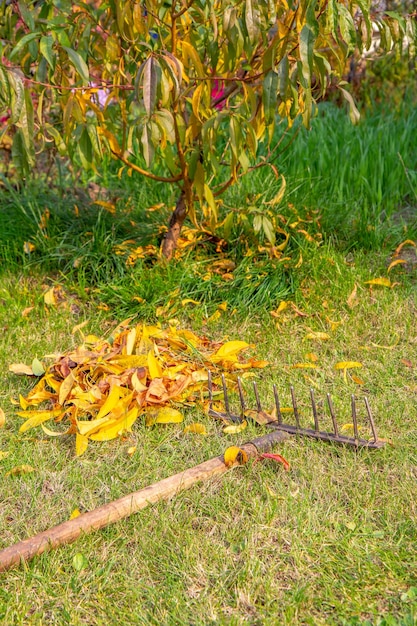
(313, 406)
(332, 413)
(277, 405)
(241, 396)
(371, 420)
(210, 389)
(294, 404)
(226, 396)
(354, 419)
(258, 402)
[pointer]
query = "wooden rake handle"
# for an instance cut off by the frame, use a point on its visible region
(69, 531)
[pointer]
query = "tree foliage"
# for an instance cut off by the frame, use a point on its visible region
(187, 92)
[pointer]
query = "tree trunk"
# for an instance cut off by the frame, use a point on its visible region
(178, 216)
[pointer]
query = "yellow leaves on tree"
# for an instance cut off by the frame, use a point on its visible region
(98, 391)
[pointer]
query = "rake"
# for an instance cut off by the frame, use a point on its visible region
(277, 422)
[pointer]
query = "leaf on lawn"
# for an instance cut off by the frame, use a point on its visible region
(233, 429)
(350, 428)
(357, 380)
(21, 369)
(37, 417)
(407, 363)
(196, 428)
(20, 469)
(131, 450)
(381, 282)
(81, 444)
(352, 299)
(2, 418)
(317, 336)
(75, 513)
(260, 417)
(4, 454)
(235, 456)
(275, 457)
(164, 415)
(281, 307)
(346, 365)
(407, 242)
(396, 262)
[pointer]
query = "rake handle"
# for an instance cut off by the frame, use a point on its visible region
(69, 531)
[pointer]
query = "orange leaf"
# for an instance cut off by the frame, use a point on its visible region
(407, 242)
(235, 456)
(396, 262)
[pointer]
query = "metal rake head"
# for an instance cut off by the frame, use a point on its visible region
(276, 421)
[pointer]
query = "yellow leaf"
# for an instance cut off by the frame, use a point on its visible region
(28, 247)
(396, 262)
(382, 282)
(55, 433)
(2, 418)
(189, 301)
(49, 297)
(349, 428)
(75, 513)
(21, 369)
(65, 388)
(164, 415)
(198, 429)
(79, 327)
(235, 455)
(357, 380)
(352, 299)
(311, 356)
(233, 429)
(20, 469)
(117, 427)
(281, 307)
(111, 401)
(27, 310)
(3, 454)
(131, 341)
(36, 418)
(317, 336)
(136, 383)
(345, 365)
(130, 451)
(228, 349)
(154, 367)
(215, 316)
(222, 306)
(81, 444)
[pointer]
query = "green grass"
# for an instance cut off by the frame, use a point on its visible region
(333, 541)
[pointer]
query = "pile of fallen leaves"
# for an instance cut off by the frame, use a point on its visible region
(98, 390)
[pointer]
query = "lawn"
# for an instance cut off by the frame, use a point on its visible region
(332, 541)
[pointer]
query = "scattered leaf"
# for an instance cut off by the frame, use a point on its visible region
(4, 454)
(234, 455)
(21, 369)
(233, 429)
(164, 415)
(352, 299)
(81, 444)
(319, 336)
(396, 262)
(49, 297)
(131, 450)
(196, 428)
(381, 282)
(349, 428)
(79, 562)
(75, 513)
(357, 380)
(275, 457)
(20, 469)
(2, 418)
(345, 365)
(27, 310)
(407, 363)
(407, 242)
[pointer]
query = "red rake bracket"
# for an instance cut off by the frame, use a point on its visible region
(296, 429)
